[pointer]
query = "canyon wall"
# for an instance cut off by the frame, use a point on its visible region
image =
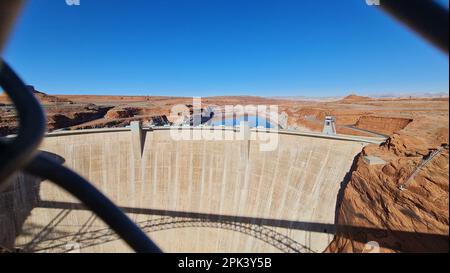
(383, 125)
(412, 218)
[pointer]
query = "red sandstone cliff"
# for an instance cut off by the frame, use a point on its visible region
(383, 125)
(413, 220)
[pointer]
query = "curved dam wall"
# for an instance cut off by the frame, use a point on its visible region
(194, 195)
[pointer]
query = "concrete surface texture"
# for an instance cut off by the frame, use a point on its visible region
(195, 195)
(374, 160)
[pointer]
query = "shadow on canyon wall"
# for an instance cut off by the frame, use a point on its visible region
(259, 228)
(396, 240)
(16, 203)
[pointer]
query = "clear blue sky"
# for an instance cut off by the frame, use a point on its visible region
(221, 47)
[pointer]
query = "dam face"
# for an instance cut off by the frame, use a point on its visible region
(193, 195)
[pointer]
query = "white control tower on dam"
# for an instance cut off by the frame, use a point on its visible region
(187, 195)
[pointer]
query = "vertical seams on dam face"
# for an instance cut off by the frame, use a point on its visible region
(197, 195)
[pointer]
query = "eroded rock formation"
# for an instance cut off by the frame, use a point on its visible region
(415, 219)
(384, 125)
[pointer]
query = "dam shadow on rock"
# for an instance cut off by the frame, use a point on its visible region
(259, 228)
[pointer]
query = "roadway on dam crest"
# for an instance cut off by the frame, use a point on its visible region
(195, 195)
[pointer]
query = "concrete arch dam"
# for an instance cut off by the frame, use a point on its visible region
(190, 195)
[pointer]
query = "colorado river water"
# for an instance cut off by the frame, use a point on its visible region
(253, 121)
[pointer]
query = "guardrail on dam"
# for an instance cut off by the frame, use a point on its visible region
(195, 195)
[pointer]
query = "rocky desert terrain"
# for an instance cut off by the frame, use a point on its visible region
(402, 204)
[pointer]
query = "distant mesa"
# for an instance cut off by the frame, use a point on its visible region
(354, 97)
(41, 96)
(46, 99)
(34, 91)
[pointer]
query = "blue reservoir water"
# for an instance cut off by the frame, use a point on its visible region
(253, 121)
